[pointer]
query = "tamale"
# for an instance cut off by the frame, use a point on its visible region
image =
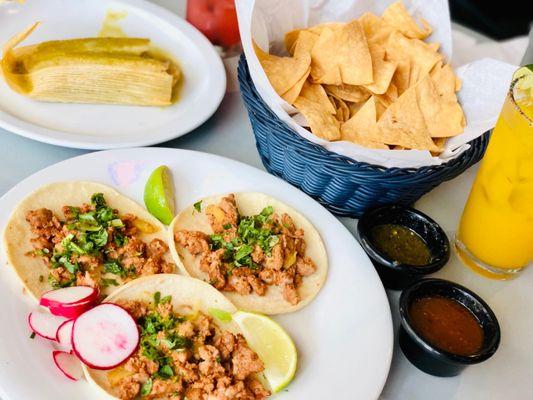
(91, 70)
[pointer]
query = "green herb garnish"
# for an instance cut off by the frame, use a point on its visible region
(32, 336)
(146, 388)
(157, 298)
(252, 231)
(109, 282)
(198, 206)
(114, 267)
(166, 371)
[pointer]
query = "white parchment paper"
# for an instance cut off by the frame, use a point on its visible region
(485, 82)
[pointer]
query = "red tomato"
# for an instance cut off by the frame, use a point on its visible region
(216, 19)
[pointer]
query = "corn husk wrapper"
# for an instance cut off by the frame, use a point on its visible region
(93, 70)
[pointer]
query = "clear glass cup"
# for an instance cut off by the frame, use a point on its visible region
(495, 235)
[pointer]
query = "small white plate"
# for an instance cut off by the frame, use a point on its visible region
(91, 126)
(344, 336)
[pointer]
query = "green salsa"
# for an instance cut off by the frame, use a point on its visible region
(400, 244)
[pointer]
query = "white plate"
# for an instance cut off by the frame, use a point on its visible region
(91, 126)
(344, 336)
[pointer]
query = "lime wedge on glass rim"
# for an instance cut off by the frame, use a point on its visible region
(273, 346)
(523, 89)
(159, 195)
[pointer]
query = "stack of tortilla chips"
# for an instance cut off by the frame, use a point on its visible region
(372, 81)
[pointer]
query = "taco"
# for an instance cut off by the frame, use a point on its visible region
(263, 255)
(185, 351)
(83, 233)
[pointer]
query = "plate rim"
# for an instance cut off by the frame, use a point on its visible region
(390, 330)
(24, 128)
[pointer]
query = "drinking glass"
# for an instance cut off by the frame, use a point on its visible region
(495, 235)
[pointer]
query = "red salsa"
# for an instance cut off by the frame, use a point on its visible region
(447, 325)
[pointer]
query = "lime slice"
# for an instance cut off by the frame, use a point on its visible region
(527, 72)
(159, 195)
(272, 344)
(523, 90)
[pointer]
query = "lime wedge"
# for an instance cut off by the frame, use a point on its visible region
(272, 344)
(523, 90)
(159, 195)
(527, 72)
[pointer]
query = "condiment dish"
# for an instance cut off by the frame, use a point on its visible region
(426, 356)
(394, 274)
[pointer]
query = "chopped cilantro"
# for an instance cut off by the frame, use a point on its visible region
(165, 371)
(218, 360)
(120, 239)
(98, 200)
(109, 282)
(226, 226)
(146, 388)
(157, 298)
(252, 231)
(114, 267)
(41, 252)
(242, 252)
(57, 285)
(165, 299)
(198, 206)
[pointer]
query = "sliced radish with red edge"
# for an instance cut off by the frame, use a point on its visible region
(64, 335)
(68, 364)
(105, 336)
(45, 324)
(69, 302)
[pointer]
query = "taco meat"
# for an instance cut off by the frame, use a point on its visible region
(93, 245)
(186, 356)
(247, 254)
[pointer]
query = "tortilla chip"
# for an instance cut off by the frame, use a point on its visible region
(290, 40)
(444, 79)
(318, 29)
(342, 56)
(362, 128)
(440, 142)
(284, 72)
(380, 109)
(389, 97)
(382, 70)
(443, 114)
(355, 94)
(434, 46)
(401, 75)
(422, 58)
(343, 111)
(403, 124)
(322, 124)
(317, 94)
(376, 30)
(354, 107)
(397, 16)
(292, 94)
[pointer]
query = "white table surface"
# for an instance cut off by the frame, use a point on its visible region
(228, 133)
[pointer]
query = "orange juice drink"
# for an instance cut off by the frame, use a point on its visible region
(495, 236)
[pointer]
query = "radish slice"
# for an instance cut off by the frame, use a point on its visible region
(105, 336)
(69, 302)
(68, 364)
(45, 324)
(71, 311)
(64, 335)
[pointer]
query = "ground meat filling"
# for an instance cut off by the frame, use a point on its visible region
(186, 357)
(93, 246)
(248, 254)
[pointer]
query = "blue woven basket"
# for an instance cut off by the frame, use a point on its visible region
(344, 186)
